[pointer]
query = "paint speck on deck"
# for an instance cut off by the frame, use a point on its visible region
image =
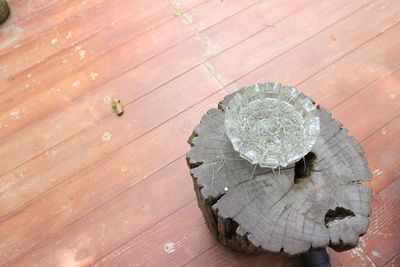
(82, 54)
(69, 35)
(376, 254)
(169, 248)
(145, 206)
(123, 168)
(93, 75)
(76, 83)
(377, 172)
(107, 99)
(106, 136)
(15, 113)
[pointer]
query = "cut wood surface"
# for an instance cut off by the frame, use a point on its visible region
(69, 167)
(314, 204)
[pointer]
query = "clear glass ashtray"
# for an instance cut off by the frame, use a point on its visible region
(271, 125)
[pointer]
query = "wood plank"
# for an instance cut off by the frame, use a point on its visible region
(128, 253)
(95, 235)
(213, 12)
(165, 244)
(45, 171)
(141, 250)
(21, 31)
(384, 225)
(394, 262)
(72, 58)
(355, 257)
(57, 194)
(129, 157)
(383, 153)
(23, 11)
(139, 79)
(125, 168)
(256, 14)
(38, 78)
(121, 16)
(316, 55)
(43, 134)
(74, 93)
(365, 65)
(32, 106)
(52, 97)
(21, 140)
(113, 32)
(343, 78)
(382, 96)
(286, 34)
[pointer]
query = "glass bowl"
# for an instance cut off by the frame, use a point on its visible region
(271, 125)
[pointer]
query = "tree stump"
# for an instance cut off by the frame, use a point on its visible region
(314, 203)
(4, 11)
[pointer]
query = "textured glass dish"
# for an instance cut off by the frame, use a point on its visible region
(271, 125)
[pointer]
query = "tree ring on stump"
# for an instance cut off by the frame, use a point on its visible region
(314, 203)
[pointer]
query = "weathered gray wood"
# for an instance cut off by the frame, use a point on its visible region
(253, 210)
(4, 11)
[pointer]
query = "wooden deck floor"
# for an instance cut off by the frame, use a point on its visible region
(80, 186)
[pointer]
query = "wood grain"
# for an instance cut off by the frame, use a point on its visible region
(285, 35)
(172, 247)
(31, 57)
(384, 225)
(383, 153)
(60, 94)
(384, 95)
(138, 79)
(52, 208)
(44, 172)
(303, 60)
(253, 210)
(133, 161)
(33, 18)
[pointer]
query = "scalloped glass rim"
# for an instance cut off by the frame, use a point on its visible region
(288, 94)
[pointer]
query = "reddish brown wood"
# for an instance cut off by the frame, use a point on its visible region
(384, 155)
(358, 64)
(87, 30)
(172, 248)
(32, 18)
(134, 212)
(383, 240)
(394, 262)
(42, 173)
(285, 35)
(134, 158)
(190, 53)
(380, 105)
(67, 215)
(132, 79)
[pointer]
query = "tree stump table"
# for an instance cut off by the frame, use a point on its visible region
(314, 203)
